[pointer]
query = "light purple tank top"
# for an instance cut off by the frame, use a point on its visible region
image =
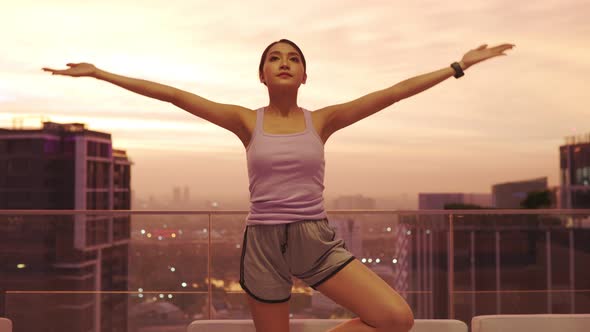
(286, 173)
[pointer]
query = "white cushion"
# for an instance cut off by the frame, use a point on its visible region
(537, 323)
(5, 325)
(317, 325)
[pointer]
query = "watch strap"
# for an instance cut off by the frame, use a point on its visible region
(458, 71)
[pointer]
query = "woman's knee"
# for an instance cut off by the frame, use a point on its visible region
(402, 318)
(398, 319)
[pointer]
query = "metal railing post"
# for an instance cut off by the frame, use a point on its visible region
(498, 275)
(451, 276)
(209, 288)
(549, 271)
(572, 272)
(2, 302)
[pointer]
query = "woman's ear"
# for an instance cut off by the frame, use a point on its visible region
(304, 78)
(261, 77)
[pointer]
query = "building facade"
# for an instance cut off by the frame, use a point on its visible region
(574, 173)
(510, 195)
(63, 167)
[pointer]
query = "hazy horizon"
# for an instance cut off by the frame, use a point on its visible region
(503, 121)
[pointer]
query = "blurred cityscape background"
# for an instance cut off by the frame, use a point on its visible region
(159, 271)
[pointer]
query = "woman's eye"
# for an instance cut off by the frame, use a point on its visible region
(295, 59)
(272, 58)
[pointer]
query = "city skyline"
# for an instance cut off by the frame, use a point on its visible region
(504, 121)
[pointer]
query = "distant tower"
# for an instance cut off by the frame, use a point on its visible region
(176, 198)
(186, 195)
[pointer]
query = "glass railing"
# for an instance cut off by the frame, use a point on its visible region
(160, 270)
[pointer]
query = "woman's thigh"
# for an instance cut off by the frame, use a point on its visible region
(269, 317)
(358, 289)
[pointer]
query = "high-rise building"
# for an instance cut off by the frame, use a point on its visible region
(574, 173)
(437, 201)
(63, 167)
(354, 202)
(347, 228)
(510, 195)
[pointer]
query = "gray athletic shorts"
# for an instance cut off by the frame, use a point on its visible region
(273, 254)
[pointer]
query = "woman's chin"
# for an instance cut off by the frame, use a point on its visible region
(283, 85)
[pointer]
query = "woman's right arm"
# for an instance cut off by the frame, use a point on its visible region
(230, 117)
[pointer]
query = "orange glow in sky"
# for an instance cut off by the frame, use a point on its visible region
(503, 121)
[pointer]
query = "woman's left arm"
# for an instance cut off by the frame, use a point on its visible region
(420, 83)
(342, 115)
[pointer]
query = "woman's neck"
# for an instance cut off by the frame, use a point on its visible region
(283, 104)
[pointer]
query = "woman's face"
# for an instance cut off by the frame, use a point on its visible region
(283, 67)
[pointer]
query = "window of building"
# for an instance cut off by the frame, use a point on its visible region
(105, 150)
(18, 165)
(91, 149)
(51, 147)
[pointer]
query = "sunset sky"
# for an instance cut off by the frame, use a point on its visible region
(503, 121)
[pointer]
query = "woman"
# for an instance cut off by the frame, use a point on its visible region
(287, 232)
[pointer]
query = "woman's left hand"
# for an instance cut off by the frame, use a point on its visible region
(483, 53)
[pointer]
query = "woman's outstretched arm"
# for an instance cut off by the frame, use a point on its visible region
(342, 115)
(227, 116)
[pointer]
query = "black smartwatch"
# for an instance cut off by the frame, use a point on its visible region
(458, 71)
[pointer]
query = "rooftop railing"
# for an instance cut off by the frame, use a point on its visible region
(142, 270)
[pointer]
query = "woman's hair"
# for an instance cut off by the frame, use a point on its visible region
(263, 57)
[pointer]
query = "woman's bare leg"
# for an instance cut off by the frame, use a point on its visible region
(269, 317)
(379, 308)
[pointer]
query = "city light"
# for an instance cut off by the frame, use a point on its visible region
(143, 231)
(184, 284)
(394, 261)
(173, 235)
(172, 269)
(377, 260)
(21, 266)
(160, 237)
(389, 229)
(140, 295)
(370, 260)
(149, 235)
(409, 232)
(161, 296)
(140, 290)
(169, 296)
(364, 260)
(204, 230)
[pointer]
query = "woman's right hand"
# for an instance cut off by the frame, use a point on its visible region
(75, 70)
